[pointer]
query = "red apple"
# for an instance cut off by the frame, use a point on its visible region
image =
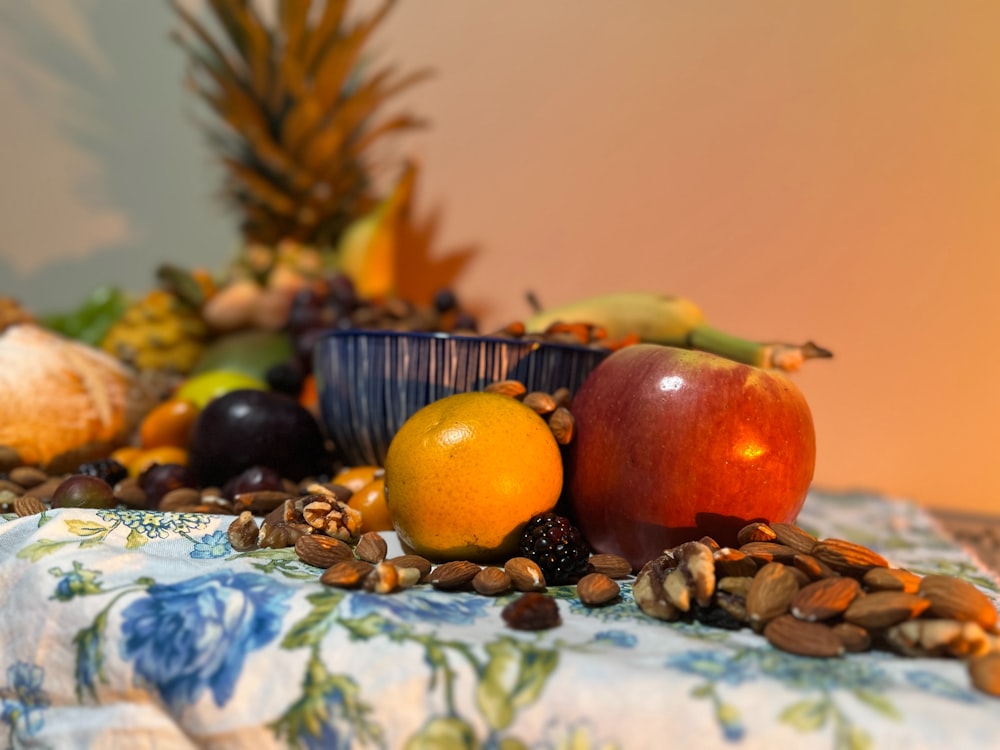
(673, 445)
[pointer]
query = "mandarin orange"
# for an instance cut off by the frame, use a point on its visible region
(465, 474)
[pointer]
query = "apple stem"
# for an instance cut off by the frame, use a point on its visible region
(787, 357)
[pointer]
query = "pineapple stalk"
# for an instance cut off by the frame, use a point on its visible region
(296, 114)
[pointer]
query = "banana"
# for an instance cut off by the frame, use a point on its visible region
(656, 318)
(672, 320)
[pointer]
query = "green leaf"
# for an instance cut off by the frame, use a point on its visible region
(79, 527)
(91, 321)
(854, 738)
(363, 628)
(37, 550)
(135, 540)
(879, 702)
(806, 716)
(513, 678)
(309, 631)
(704, 690)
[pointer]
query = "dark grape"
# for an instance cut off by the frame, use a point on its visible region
(83, 491)
(159, 479)
(254, 479)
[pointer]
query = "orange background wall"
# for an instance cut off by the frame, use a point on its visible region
(826, 171)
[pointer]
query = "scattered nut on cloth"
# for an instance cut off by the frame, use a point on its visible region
(127, 628)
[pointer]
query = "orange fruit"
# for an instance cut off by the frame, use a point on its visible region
(126, 454)
(163, 454)
(168, 423)
(465, 473)
(356, 477)
(370, 500)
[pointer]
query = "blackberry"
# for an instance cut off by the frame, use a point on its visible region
(557, 546)
(108, 469)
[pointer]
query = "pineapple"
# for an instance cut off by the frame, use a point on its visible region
(296, 114)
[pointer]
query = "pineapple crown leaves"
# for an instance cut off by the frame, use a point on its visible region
(296, 112)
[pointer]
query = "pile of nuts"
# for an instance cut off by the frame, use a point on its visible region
(573, 334)
(552, 407)
(360, 562)
(823, 598)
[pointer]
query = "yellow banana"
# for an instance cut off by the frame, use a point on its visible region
(673, 321)
(368, 248)
(657, 318)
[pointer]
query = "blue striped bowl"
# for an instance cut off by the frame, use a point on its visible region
(370, 382)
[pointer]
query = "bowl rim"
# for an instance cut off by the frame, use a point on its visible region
(534, 344)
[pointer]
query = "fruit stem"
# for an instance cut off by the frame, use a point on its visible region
(788, 357)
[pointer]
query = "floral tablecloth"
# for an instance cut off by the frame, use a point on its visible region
(146, 630)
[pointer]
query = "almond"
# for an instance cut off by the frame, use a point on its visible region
(765, 552)
(758, 531)
(44, 490)
(848, 558)
(795, 537)
(179, 500)
(347, 574)
(957, 599)
(261, 502)
(985, 673)
(854, 637)
(613, 566)
(512, 388)
(540, 402)
(27, 476)
(371, 547)
(562, 425)
(891, 579)
(453, 575)
(321, 551)
(732, 562)
(803, 638)
(525, 575)
(491, 581)
(771, 593)
(882, 609)
(597, 589)
(813, 568)
(825, 598)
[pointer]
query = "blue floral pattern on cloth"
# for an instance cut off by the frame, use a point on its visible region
(195, 635)
(177, 639)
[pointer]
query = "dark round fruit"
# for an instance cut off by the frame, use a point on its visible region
(83, 491)
(557, 546)
(246, 428)
(254, 479)
(159, 479)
